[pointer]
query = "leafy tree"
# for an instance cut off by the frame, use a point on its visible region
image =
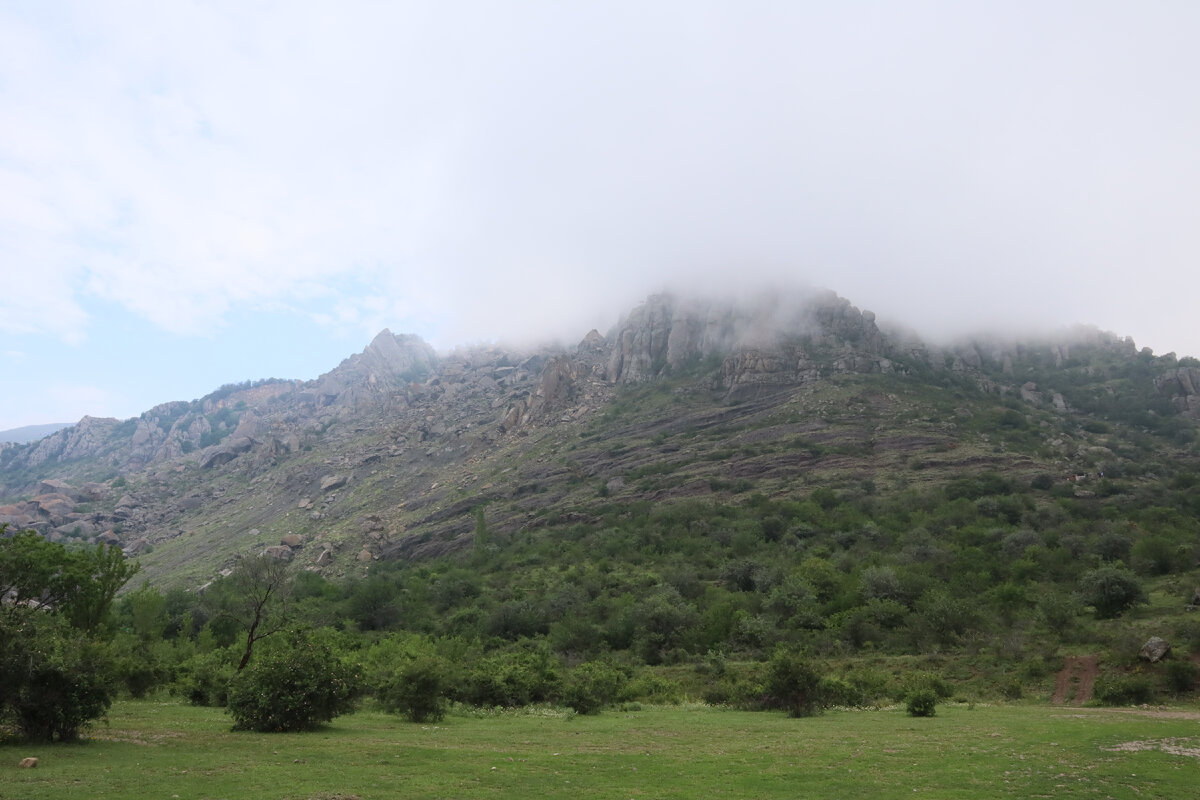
(295, 687)
(80, 584)
(56, 677)
(1111, 590)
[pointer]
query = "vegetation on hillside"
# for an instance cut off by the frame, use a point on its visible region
(862, 539)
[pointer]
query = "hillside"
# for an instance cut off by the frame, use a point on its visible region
(706, 476)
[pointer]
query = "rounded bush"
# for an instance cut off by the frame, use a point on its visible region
(293, 688)
(56, 679)
(417, 689)
(921, 703)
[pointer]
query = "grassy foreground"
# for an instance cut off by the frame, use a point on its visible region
(151, 750)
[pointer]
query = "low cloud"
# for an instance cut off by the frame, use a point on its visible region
(533, 170)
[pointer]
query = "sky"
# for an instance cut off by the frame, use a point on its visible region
(199, 193)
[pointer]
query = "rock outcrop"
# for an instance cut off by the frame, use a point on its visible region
(389, 362)
(772, 341)
(1182, 386)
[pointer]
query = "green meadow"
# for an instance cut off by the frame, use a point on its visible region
(153, 749)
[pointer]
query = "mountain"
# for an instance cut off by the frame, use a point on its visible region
(31, 433)
(404, 455)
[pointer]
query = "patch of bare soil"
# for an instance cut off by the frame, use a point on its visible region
(1176, 747)
(1076, 681)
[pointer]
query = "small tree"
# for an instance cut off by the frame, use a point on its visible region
(1111, 590)
(55, 676)
(296, 687)
(793, 684)
(417, 689)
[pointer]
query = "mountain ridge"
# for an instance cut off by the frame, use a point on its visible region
(399, 452)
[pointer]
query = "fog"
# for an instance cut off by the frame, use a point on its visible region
(264, 187)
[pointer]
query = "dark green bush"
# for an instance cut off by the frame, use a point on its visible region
(513, 678)
(417, 689)
(1181, 675)
(56, 679)
(1124, 690)
(1111, 590)
(794, 685)
(296, 687)
(921, 703)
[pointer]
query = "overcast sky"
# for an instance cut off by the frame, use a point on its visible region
(197, 193)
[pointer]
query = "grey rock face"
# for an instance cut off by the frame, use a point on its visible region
(1183, 387)
(279, 551)
(1154, 650)
(770, 340)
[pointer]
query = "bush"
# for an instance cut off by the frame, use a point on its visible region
(839, 692)
(793, 685)
(417, 689)
(593, 685)
(921, 703)
(1111, 591)
(204, 679)
(293, 688)
(56, 679)
(1124, 690)
(1181, 676)
(514, 678)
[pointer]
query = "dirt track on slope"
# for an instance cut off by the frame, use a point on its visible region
(1076, 680)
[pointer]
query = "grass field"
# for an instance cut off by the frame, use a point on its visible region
(150, 750)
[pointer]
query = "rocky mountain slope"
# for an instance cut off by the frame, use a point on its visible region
(402, 453)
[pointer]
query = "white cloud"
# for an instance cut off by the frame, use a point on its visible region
(473, 170)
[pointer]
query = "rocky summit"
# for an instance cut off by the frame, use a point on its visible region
(400, 452)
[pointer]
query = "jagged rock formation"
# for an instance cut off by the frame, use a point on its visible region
(391, 453)
(769, 342)
(388, 363)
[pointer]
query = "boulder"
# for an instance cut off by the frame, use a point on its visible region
(108, 538)
(331, 482)
(1154, 650)
(293, 540)
(136, 547)
(54, 506)
(51, 486)
(279, 551)
(80, 527)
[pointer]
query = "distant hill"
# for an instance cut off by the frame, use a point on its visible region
(31, 433)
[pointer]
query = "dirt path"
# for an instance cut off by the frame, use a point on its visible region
(1076, 681)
